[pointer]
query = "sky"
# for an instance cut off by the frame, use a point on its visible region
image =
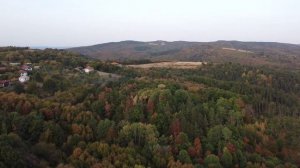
(67, 23)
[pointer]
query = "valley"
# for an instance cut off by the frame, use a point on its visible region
(76, 111)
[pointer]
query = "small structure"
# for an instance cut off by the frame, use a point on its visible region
(23, 79)
(36, 67)
(14, 63)
(79, 69)
(88, 69)
(3, 69)
(23, 76)
(26, 68)
(4, 83)
(23, 73)
(116, 64)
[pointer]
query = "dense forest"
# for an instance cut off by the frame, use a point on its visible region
(218, 115)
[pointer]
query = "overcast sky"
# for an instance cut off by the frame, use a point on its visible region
(87, 22)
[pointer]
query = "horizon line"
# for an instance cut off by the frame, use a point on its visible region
(75, 46)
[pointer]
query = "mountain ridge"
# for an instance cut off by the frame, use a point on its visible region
(181, 41)
(261, 53)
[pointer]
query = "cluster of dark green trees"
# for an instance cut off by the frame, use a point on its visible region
(224, 115)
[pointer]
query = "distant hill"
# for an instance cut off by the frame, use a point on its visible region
(261, 53)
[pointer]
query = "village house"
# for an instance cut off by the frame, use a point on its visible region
(26, 68)
(88, 69)
(23, 76)
(4, 83)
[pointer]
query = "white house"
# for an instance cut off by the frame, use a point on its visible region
(88, 69)
(23, 79)
(23, 76)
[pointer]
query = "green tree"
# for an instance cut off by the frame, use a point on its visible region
(19, 88)
(32, 88)
(103, 128)
(212, 161)
(137, 114)
(30, 127)
(48, 152)
(140, 134)
(226, 158)
(184, 157)
(52, 133)
(12, 151)
(50, 85)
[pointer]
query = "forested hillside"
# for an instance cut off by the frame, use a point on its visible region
(80, 112)
(258, 53)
